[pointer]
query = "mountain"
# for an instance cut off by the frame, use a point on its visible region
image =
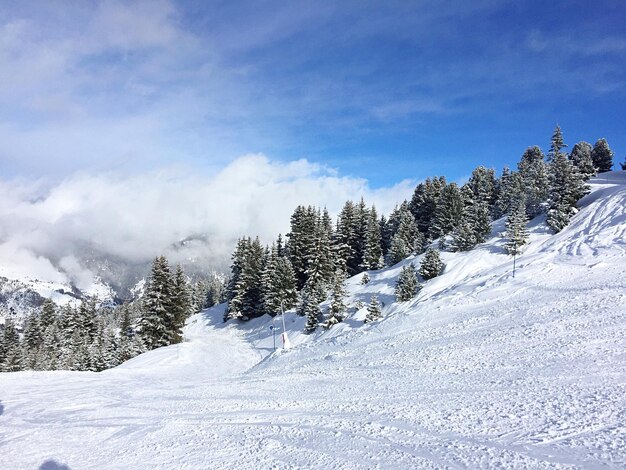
(92, 272)
(482, 369)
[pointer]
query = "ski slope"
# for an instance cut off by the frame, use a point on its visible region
(481, 370)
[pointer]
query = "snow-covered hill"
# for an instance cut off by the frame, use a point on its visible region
(481, 370)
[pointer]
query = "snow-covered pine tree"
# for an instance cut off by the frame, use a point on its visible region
(309, 308)
(623, 165)
(351, 234)
(373, 252)
(247, 301)
(181, 303)
(279, 283)
(337, 310)
(511, 189)
(482, 182)
(424, 202)
(567, 187)
(385, 234)
(365, 279)
(602, 156)
(31, 343)
(51, 348)
(407, 239)
(373, 310)
(302, 241)
(11, 350)
(556, 144)
(448, 213)
(535, 180)
(158, 316)
(48, 314)
(407, 285)
(516, 232)
(431, 265)
(582, 160)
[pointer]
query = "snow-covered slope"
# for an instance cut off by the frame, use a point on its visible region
(481, 370)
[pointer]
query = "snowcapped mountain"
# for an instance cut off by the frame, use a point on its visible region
(91, 273)
(483, 369)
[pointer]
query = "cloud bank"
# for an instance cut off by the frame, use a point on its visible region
(47, 229)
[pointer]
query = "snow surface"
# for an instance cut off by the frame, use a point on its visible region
(481, 370)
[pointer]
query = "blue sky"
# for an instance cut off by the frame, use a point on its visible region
(379, 90)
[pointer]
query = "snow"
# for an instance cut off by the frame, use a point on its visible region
(481, 370)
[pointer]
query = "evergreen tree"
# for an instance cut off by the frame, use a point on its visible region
(309, 307)
(623, 165)
(602, 156)
(431, 265)
(474, 225)
(32, 342)
(158, 314)
(302, 241)
(373, 251)
(279, 283)
(247, 299)
(516, 233)
(407, 239)
(11, 350)
(407, 285)
(556, 144)
(181, 304)
(449, 211)
(566, 189)
(535, 180)
(482, 182)
(48, 314)
(373, 310)
(365, 279)
(582, 160)
(511, 189)
(424, 203)
(337, 310)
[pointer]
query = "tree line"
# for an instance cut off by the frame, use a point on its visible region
(96, 337)
(318, 254)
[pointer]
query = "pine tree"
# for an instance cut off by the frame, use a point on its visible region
(407, 239)
(373, 310)
(31, 343)
(309, 307)
(602, 156)
(279, 283)
(431, 265)
(516, 233)
(158, 316)
(448, 213)
(302, 241)
(11, 350)
(582, 160)
(246, 300)
(48, 314)
(337, 310)
(511, 189)
(623, 165)
(566, 189)
(556, 144)
(181, 303)
(535, 180)
(373, 251)
(365, 279)
(424, 202)
(407, 285)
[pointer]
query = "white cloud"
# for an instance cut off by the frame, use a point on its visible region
(140, 216)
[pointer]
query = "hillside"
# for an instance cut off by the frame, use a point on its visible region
(482, 369)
